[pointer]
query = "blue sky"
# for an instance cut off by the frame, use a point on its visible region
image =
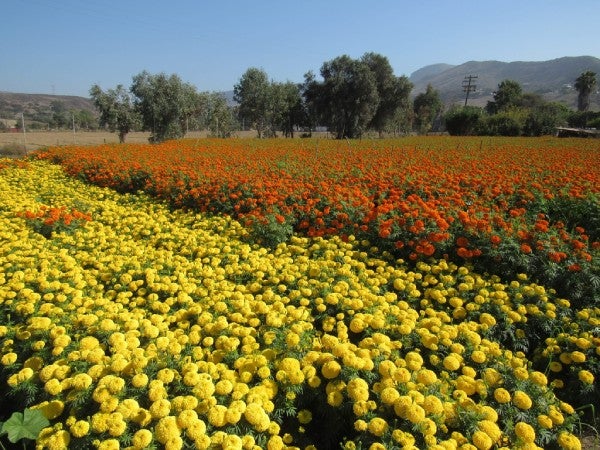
(66, 46)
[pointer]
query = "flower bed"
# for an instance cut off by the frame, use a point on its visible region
(147, 326)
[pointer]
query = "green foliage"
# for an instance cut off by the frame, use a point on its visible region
(272, 231)
(24, 425)
(116, 110)
(347, 99)
(505, 123)
(252, 94)
(393, 93)
(583, 119)
(426, 106)
(508, 95)
(585, 84)
(544, 119)
(357, 95)
(164, 103)
(463, 121)
(13, 149)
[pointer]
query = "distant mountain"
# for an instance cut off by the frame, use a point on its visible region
(12, 104)
(427, 72)
(552, 79)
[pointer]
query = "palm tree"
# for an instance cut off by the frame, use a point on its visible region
(585, 84)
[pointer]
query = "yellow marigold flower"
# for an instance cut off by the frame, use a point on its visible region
(426, 377)
(358, 389)
(415, 413)
(166, 429)
(360, 425)
(491, 429)
(141, 439)
(433, 405)
(521, 400)
(304, 416)
(586, 377)
(521, 373)
(233, 442)
(478, 356)
(538, 378)
(257, 417)
(583, 343)
(555, 366)
(578, 357)
(377, 446)
(414, 361)
(9, 358)
(139, 380)
(109, 444)
(451, 362)
(51, 409)
(492, 377)
(377, 426)
(555, 415)
(331, 369)
(525, 432)
(80, 428)
(335, 398)
(567, 441)
(566, 408)
(217, 416)
(160, 408)
(427, 427)
(481, 440)
(389, 395)
(544, 421)
(53, 387)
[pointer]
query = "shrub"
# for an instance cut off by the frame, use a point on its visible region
(13, 150)
(463, 121)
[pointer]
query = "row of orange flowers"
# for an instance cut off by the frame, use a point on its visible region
(518, 204)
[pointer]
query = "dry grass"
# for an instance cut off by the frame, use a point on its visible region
(36, 139)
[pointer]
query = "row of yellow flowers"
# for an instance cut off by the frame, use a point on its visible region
(144, 327)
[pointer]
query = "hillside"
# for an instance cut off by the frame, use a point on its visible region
(552, 79)
(13, 103)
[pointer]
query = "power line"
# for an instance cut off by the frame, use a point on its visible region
(469, 86)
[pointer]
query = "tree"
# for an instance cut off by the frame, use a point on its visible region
(85, 119)
(116, 110)
(252, 94)
(508, 94)
(393, 92)
(60, 117)
(285, 104)
(220, 119)
(426, 106)
(347, 98)
(165, 104)
(585, 84)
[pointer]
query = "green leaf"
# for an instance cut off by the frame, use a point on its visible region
(25, 425)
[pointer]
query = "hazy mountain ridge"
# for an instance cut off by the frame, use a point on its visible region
(553, 79)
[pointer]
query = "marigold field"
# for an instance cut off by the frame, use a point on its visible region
(437, 293)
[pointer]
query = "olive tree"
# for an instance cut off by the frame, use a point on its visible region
(116, 110)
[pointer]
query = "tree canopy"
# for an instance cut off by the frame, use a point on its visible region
(165, 103)
(355, 95)
(427, 105)
(585, 84)
(116, 109)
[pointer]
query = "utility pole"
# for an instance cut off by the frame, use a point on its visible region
(24, 133)
(469, 86)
